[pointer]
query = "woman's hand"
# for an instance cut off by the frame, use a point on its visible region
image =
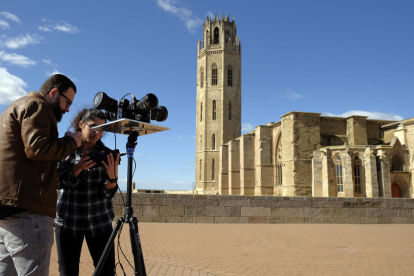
(111, 169)
(83, 164)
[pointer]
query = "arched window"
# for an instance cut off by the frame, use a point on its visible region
(202, 78)
(213, 142)
(229, 111)
(339, 174)
(201, 168)
(397, 163)
(216, 35)
(214, 109)
(357, 175)
(214, 75)
(229, 76)
(212, 169)
(201, 112)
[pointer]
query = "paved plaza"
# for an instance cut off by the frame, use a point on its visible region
(263, 249)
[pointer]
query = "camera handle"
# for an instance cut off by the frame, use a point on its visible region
(128, 218)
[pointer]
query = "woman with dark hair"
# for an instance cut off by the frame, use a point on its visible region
(84, 207)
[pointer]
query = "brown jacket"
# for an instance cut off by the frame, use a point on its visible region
(29, 152)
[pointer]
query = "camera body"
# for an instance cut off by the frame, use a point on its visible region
(143, 110)
(98, 156)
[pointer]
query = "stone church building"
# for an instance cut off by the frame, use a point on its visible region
(304, 154)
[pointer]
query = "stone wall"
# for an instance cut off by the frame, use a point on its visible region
(261, 209)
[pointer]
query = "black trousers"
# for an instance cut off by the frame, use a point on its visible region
(69, 250)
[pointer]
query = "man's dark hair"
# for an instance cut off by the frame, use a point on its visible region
(59, 81)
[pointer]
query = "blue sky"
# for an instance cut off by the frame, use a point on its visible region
(332, 57)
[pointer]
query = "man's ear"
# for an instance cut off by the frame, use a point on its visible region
(53, 92)
(80, 124)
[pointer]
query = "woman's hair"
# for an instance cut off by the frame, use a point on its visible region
(86, 115)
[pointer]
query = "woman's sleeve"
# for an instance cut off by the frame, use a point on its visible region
(66, 178)
(109, 193)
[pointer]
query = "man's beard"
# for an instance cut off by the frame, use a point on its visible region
(56, 110)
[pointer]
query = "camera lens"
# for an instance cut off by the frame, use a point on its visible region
(160, 113)
(102, 101)
(148, 102)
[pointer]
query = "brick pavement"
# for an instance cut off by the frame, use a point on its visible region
(263, 249)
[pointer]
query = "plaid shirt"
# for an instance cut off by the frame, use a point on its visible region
(84, 206)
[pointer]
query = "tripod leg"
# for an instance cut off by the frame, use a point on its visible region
(108, 246)
(136, 247)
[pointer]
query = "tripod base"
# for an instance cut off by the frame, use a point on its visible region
(135, 245)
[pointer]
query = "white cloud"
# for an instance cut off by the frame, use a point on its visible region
(54, 72)
(4, 25)
(10, 16)
(44, 29)
(247, 127)
(180, 137)
(291, 95)
(191, 21)
(22, 41)
(16, 59)
(11, 87)
(48, 62)
(210, 14)
(61, 26)
(371, 115)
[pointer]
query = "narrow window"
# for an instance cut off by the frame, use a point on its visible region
(213, 142)
(202, 79)
(201, 112)
(216, 35)
(214, 75)
(201, 140)
(279, 174)
(357, 175)
(229, 76)
(339, 175)
(212, 169)
(214, 109)
(229, 111)
(201, 164)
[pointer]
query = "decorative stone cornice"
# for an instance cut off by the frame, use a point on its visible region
(332, 119)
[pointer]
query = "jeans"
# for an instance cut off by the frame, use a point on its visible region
(26, 240)
(69, 251)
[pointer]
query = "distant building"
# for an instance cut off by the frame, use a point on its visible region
(304, 154)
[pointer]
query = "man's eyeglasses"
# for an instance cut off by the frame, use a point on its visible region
(97, 130)
(68, 102)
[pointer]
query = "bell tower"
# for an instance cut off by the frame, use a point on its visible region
(218, 98)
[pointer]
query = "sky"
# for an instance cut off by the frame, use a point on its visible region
(333, 57)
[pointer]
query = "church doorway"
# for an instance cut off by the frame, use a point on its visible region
(395, 190)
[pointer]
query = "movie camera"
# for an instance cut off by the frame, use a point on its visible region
(144, 110)
(98, 156)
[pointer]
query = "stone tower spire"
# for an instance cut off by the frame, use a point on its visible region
(218, 98)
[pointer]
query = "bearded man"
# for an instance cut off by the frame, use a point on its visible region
(29, 152)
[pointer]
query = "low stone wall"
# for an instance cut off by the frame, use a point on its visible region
(261, 209)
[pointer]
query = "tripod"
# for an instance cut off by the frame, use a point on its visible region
(128, 218)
